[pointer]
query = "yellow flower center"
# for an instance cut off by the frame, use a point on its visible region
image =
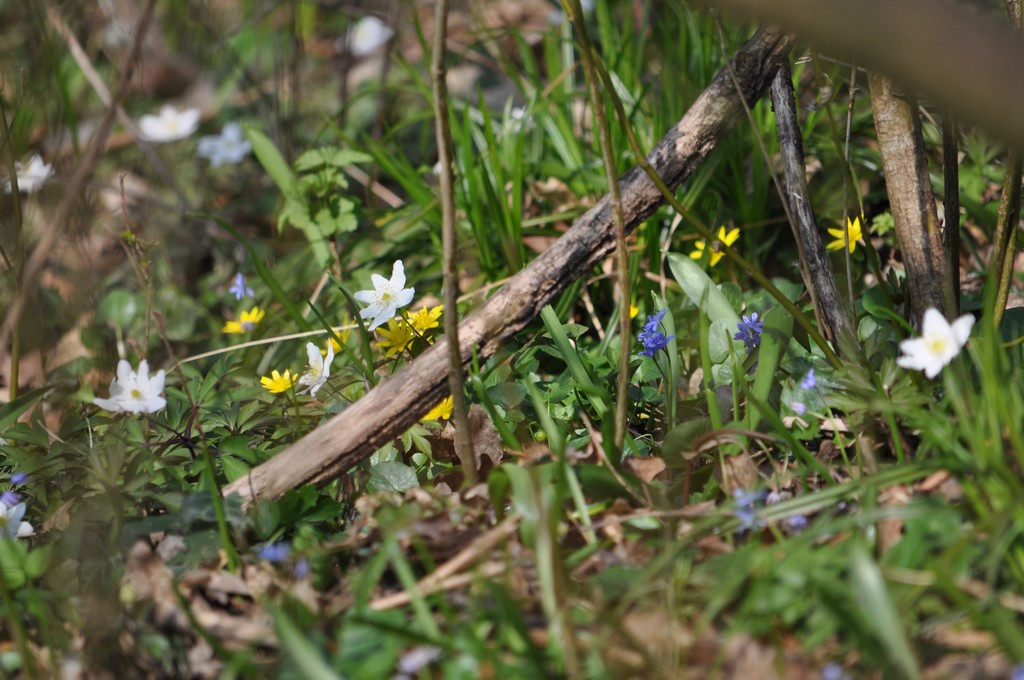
(937, 345)
(136, 393)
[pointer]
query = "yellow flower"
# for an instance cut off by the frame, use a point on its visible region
(728, 238)
(425, 319)
(331, 344)
(633, 311)
(246, 323)
(278, 382)
(443, 411)
(853, 229)
(396, 337)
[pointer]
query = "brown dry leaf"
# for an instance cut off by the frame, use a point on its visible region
(646, 468)
(737, 472)
(943, 484)
(890, 530)
(147, 578)
(746, 658)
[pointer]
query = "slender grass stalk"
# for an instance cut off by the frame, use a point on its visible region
(14, 267)
(456, 382)
(573, 9)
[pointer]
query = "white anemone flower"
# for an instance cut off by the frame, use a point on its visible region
(230, 146)
(319, 369)
(31, 176)
(386, 296)
(367, 36)
(170, 125)
(134, 392)
(940, 343)
(11, 524)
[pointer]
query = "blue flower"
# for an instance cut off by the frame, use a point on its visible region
(19, 478)
(1017, 672)
(651, 338)
(750, 330)
(833, 671)
(745, 508)
(809, 382)
(799, 408)
(795, 523)
(9, 498)
(239, 289)
(301, 569)
(275, 552)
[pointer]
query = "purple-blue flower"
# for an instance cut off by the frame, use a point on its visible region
(833, 671)
(19, 478)
(239, 289)
(745, 508)
(809, 382)
(651, 338)
(301, 569)
(750, 330)
(275, 552)
(9, 498)
(1017, 672)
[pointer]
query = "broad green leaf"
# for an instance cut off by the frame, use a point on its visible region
(272, 161)
(701, 290)
(391, 476)
(879, 609)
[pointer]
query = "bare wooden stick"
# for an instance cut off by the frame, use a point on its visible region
(910, 195)
(398, 402)
(449, 243)
(830, 309)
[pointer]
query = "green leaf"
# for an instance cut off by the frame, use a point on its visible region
(701, 290)
(681, 439)
(294, 641)
(878, 608)
(11, 411)
(391, 476)
(331, 156)
(272, 161)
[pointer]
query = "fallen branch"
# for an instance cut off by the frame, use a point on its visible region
(398, 402)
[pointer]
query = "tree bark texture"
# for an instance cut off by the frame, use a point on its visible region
(911, 198)
(832, 312)
(960, 57)
(399, 401)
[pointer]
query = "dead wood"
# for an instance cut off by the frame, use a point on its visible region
(911, 198)
(957, 55)
(832, 312)
(399, 401)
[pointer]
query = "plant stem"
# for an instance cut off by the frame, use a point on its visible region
(574, 10)
(456, 381)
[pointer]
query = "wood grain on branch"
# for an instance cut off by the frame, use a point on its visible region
(833, 314)
(981, 79)
(399, 401)
(911, 199)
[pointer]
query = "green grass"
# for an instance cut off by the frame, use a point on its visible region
(572, 559)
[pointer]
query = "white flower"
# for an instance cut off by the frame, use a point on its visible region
(171, 125)
(939, 343)
(230, 146)
(134, 392)
(10, 521)
(386, 296)
(367, 36)
(32, 177)
(319, 368)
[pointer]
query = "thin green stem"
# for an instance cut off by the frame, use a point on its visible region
(573, 9)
